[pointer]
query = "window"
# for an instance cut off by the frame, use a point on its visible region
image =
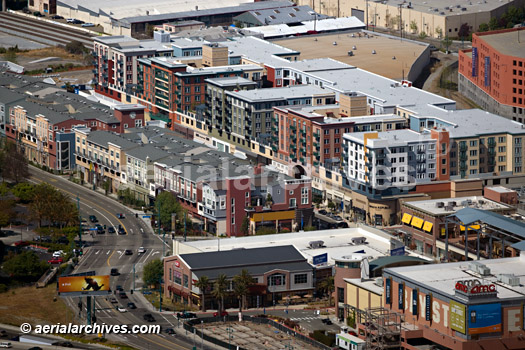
(247, 194)
(304, 195)
(177, 277)
(185, 280)
(301, 278)
(276, 280)
(293, 203)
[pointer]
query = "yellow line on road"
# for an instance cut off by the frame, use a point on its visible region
(110, 257)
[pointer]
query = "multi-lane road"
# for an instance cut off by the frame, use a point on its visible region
(106, 251)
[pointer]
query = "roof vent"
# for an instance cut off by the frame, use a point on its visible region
(480, 268)
(358, 240)
(316, 244)
(440, 204)
(509, 279)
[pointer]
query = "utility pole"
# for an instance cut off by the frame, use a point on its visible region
(88, 308)
(185, 226)
(133, 277)
(366, 11)
(401, 21)
(160, 294)
(79, 222)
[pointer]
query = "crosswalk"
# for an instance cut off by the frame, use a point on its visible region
(305, 318)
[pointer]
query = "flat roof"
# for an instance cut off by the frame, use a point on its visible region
(370, 285)
(401, 136)
(448, 7)
(507, 42)
(230, 81)
(500, 189)
(442, 278)
(337, 243)
(289, 92)
(386, 47)
(479, 202)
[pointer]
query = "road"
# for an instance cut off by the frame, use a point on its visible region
(106, 251)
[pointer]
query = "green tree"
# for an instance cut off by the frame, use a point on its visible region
(168, 204)
(106, 185)
(26, 265)
(153, 272)
(493, 23)
(220, 289)
(75, 47)
(24, 192)
(14, 163)
(269, 200)
(242, 283)
(7, 211)
(245, 226)
(331, 205)
(328, 286)
(446, 42)
(483, 27)
(10, 55)
(203, 284)
(41, 205)
(413, 26)
(439, 32)
(422, 35)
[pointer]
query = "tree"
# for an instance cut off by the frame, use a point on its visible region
(242, 283)
(106, 185)
(203, 283)
(14, 166)
(168, 204)
(24, 192)
(328, 286)
(269, 200)
(446, 42)
(42, 202)
(153, 272)
(464, 31)
(6, 211)
(493, 23)
(245, 226)
(483, 27)
(52, 205)
(219, 290)
(10, 55)
(26, 265)
(413, 26)
(75, 47)
(331, 205)
(422, 35)
(439, 32)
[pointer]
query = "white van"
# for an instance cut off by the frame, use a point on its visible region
(5, 344)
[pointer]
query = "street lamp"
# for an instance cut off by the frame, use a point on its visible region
(202, 335)
(230, 331)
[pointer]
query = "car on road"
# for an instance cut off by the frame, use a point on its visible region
(58, 253)
(119, 288)
(55, 261)
(26, 10)
(186, 315)
(114, 272)
(123, 295)
(77, 21)
(121, 309)
(132, 305)
(326, 321)
(121, 216)
(37, 14)
(57, 17)
(222, 314)
(337, 218)
(93, 218)
(149, 318)
(169, 331)
(121, 231)
(21, 243)
(66, 344)
(128, 252)
(141, 250)
(5, 344)
(113, 300)
(70, 20)
(88, 25)
(111, 229)
(322, 212)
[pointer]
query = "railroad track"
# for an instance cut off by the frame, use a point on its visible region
(45, 32)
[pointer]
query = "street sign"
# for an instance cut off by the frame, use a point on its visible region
(397, 251)
(93, 229)
(320, 259)
(146, 216)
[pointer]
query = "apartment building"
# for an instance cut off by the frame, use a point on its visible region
(8, 98)
(492, 72)
(115, 62)
(101, 156)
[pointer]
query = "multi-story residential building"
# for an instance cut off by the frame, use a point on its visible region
(35, 128)
(8, 98)
(101, 156)
(115, 62)
(252, 111)
(481, 143)
(140, 170)
(492, 72)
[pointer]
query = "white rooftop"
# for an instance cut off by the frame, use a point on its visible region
(478, 202)
(289, 92)
(337, 243)
(500, 189)
(442, 278)
(449, 7)
(393, 137)
(369, 285)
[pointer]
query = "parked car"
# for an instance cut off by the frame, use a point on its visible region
(120, 216)
(323, 212)
(21, 243)
(186, 315)
(433, 48)
(57, 17)
(93, 218)
(149, 318)
(58, 253)
(222, 314)
(37, 14)
(114, 272)
(35, 348)
(128, 252)
(55, 261)
(70, 20)
(88, 25)
(63, 240)
(337, 218)
(3, 333)
(169, 331)
(326, 321)
(26, 10)
(141, 250)
(132, 305)
(111, 229)
(77, 21)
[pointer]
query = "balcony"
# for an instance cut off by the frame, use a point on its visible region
(162, 77)
(317, 137)
(380, 155)
(161, 103)
(463, 166)
(463, 147)
(95, 71)
(491, 152)
(162, 86)
(293, 128)
(491, 143)
(491, 161)
(248, 122)
(162, 95)
(274, 148)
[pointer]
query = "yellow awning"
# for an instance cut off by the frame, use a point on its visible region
(471, 227)
(406, 218)
(417, 222)
(427, 226)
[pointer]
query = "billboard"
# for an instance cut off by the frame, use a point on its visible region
(320, 259)
(484, 318)
(84, 285)
(457, 316)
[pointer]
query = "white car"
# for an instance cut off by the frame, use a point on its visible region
(121, 309)
(141, 250)
(70, 20)
(58, 254)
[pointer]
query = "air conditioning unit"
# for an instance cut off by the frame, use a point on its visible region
(509, 279)
(440, 204)
(358, 240)
(316, 244)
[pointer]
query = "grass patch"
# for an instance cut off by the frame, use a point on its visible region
(32, 305)
(167, 304)
(55, 51)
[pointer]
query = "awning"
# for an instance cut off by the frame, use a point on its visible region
(473, 227)
(417, 222)
(427, 226)
(406, 218)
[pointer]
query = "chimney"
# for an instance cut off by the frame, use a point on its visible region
(257, 170)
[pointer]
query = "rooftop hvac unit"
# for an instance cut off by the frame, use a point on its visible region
(379, 282)
(358, 240)
(478, 267)
(440, 204)
(509, 279)
(481, 201)
(315, 244)
(451, 204)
